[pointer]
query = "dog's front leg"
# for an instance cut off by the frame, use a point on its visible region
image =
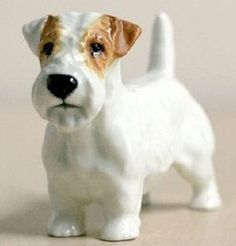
(67, 219)
(121, 212)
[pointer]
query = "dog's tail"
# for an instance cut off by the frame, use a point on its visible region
(162, 55)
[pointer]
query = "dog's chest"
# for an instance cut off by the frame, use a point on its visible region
(82, 165)
(96, 160)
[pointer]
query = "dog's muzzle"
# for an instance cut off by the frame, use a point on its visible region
(61, 85)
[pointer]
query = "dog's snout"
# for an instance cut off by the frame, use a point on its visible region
(61, 85)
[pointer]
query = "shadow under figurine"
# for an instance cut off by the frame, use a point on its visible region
(106, 140)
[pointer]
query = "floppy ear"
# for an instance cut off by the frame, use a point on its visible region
(123, 34)
(32, 32)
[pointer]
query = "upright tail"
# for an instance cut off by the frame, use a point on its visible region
(162, 55)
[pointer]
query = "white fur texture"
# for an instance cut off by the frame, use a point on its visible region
(120, 136)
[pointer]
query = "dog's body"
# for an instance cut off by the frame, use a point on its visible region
(132, 133)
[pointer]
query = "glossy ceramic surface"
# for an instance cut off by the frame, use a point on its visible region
(106, 141)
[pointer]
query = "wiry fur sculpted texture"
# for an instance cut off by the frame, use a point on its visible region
(106, 140)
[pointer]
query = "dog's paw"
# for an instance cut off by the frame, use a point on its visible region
(121, 229)
(207, 199)
(61, 226)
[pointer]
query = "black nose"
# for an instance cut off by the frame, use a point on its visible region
(61, 85)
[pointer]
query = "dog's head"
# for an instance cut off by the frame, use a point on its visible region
(77, 52)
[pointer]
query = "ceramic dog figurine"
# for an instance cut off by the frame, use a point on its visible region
(106, 140)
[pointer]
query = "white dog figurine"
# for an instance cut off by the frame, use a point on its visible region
(106, 140)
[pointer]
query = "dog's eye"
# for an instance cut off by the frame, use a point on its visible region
(48, 48)
(96, 49)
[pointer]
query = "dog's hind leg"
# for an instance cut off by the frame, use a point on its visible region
(201, 175)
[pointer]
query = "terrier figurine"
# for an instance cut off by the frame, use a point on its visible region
(106, 140)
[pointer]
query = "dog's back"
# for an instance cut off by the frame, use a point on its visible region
(167, 112)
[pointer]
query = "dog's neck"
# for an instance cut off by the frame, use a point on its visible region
(114, 85)
(116, 94)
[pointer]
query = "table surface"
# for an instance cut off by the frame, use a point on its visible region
(25, 206)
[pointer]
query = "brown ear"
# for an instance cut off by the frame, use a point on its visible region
(122, 33)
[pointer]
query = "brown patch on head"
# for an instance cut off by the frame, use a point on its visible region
(50, 38)
(115, 35)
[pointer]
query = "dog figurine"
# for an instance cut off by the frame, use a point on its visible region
(106, 140)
